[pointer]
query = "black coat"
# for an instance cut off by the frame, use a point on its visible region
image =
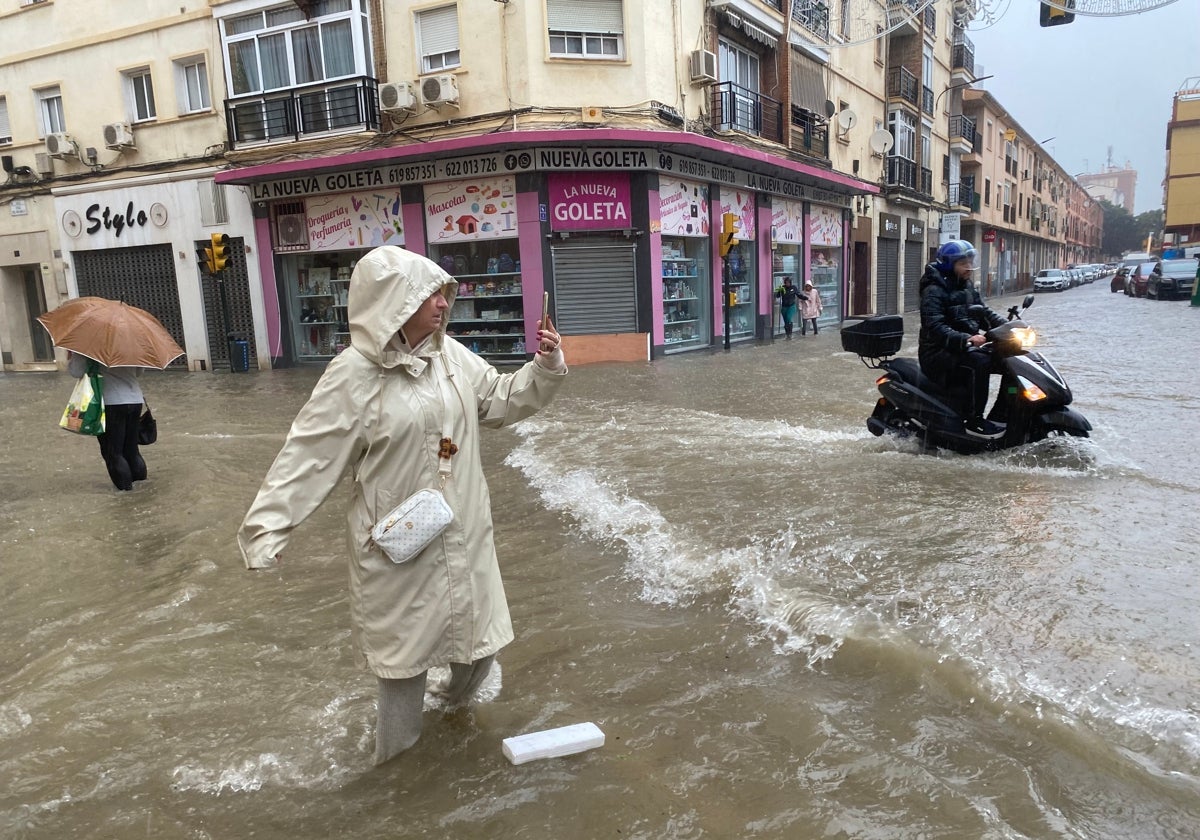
(946, 322)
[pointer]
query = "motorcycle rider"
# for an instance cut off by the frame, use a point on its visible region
(949, 347)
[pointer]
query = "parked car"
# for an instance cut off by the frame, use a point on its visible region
(1139, 278)
(1176, 280)
(1117, 283)
(1051, 280)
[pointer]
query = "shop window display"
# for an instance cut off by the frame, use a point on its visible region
(319, 291)
(825, 273)
(489, 313)
(686, 321)
(740, 262)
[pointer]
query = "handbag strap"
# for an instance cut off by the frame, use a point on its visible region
(447, 448)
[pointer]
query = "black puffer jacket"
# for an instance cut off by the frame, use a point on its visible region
(946, 323)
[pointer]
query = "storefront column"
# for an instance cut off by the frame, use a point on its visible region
(766, 291)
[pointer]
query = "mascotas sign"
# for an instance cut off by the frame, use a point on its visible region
(589, 201)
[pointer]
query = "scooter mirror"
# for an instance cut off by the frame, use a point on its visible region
(1028, 302)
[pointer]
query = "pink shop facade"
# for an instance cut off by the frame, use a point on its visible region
(620, 227)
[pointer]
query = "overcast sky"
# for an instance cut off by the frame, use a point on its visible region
(1093, 83)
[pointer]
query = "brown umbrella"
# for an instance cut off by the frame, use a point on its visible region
(112, 332)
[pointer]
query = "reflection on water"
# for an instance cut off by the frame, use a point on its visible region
(785, 626)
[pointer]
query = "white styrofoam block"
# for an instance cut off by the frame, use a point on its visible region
(553, 743)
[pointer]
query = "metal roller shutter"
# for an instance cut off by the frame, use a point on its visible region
(142, 276)
(237, 293)
(914, 258)
(595, 288)
(887, 292)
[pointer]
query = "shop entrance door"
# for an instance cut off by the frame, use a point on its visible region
(35, 304)
(887, 293)
(142, 276)
(860, 272)
(914, 258)
(595, 288)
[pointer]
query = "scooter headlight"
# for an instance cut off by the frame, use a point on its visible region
(1030, 391)
(1026, 336)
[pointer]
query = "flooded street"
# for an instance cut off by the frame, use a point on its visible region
(787, 628)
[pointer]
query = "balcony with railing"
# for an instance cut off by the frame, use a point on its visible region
(901, 172)
(902, 84)
(809, 136)
(931, 19)
(813, 15)
(736, 108)
(962, 132)
(962, 56)
(927, 99)
(308, 111)
(963, 195)
(903, 11)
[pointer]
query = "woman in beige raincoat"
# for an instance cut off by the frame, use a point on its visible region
(381, 409)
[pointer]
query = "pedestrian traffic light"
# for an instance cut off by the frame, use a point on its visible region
(204, 258)
(220, 251)
(729, 232)
(1058, 12)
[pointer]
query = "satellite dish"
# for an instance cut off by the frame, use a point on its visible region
(881, 141)
(847, 120)
(830, 108)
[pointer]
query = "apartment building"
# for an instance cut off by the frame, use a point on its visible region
(111, 131)
(1181, 189)
(590, 150)
(1029, 213)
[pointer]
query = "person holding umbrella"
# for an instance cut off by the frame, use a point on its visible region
(121, 339)
(123, 400)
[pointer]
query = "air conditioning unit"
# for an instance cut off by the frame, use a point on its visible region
(292, 229)
(440, 90)
(397, 96)
(703, 66)
(118, 136)
(60, 145)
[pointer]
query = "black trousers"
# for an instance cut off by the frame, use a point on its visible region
(119, 445)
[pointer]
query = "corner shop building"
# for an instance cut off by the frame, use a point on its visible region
(621, 227)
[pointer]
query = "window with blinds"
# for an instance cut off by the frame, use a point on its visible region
(586, 29)
(5, 129)
(437, 38)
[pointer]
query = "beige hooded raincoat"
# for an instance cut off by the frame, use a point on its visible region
(381, 409)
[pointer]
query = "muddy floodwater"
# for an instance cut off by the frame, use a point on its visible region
(785, 627)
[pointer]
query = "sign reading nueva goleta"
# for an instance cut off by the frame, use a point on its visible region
(550, 159)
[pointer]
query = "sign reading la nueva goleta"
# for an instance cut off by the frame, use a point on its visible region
(551, 159)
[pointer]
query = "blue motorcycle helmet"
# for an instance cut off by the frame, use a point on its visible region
(953, 251)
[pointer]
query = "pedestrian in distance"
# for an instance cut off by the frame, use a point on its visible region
(400, 399)
(788, 296)
(122, 410)
(950, 345)
(810, 308)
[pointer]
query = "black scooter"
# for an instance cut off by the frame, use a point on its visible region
(1033, 403)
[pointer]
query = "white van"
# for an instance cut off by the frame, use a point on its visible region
(1135, 258)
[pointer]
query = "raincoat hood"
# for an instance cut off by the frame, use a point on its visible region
(387, 287)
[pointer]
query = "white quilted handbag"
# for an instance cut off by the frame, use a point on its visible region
(412, 525)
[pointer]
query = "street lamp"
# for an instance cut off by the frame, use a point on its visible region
(958, 85)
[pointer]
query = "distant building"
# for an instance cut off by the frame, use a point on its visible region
(1116, 186)
(1182, 191)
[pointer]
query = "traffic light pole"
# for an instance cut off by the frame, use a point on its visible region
(725, 299)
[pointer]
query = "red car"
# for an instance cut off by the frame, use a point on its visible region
(1139, 278)
(1117, 283)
